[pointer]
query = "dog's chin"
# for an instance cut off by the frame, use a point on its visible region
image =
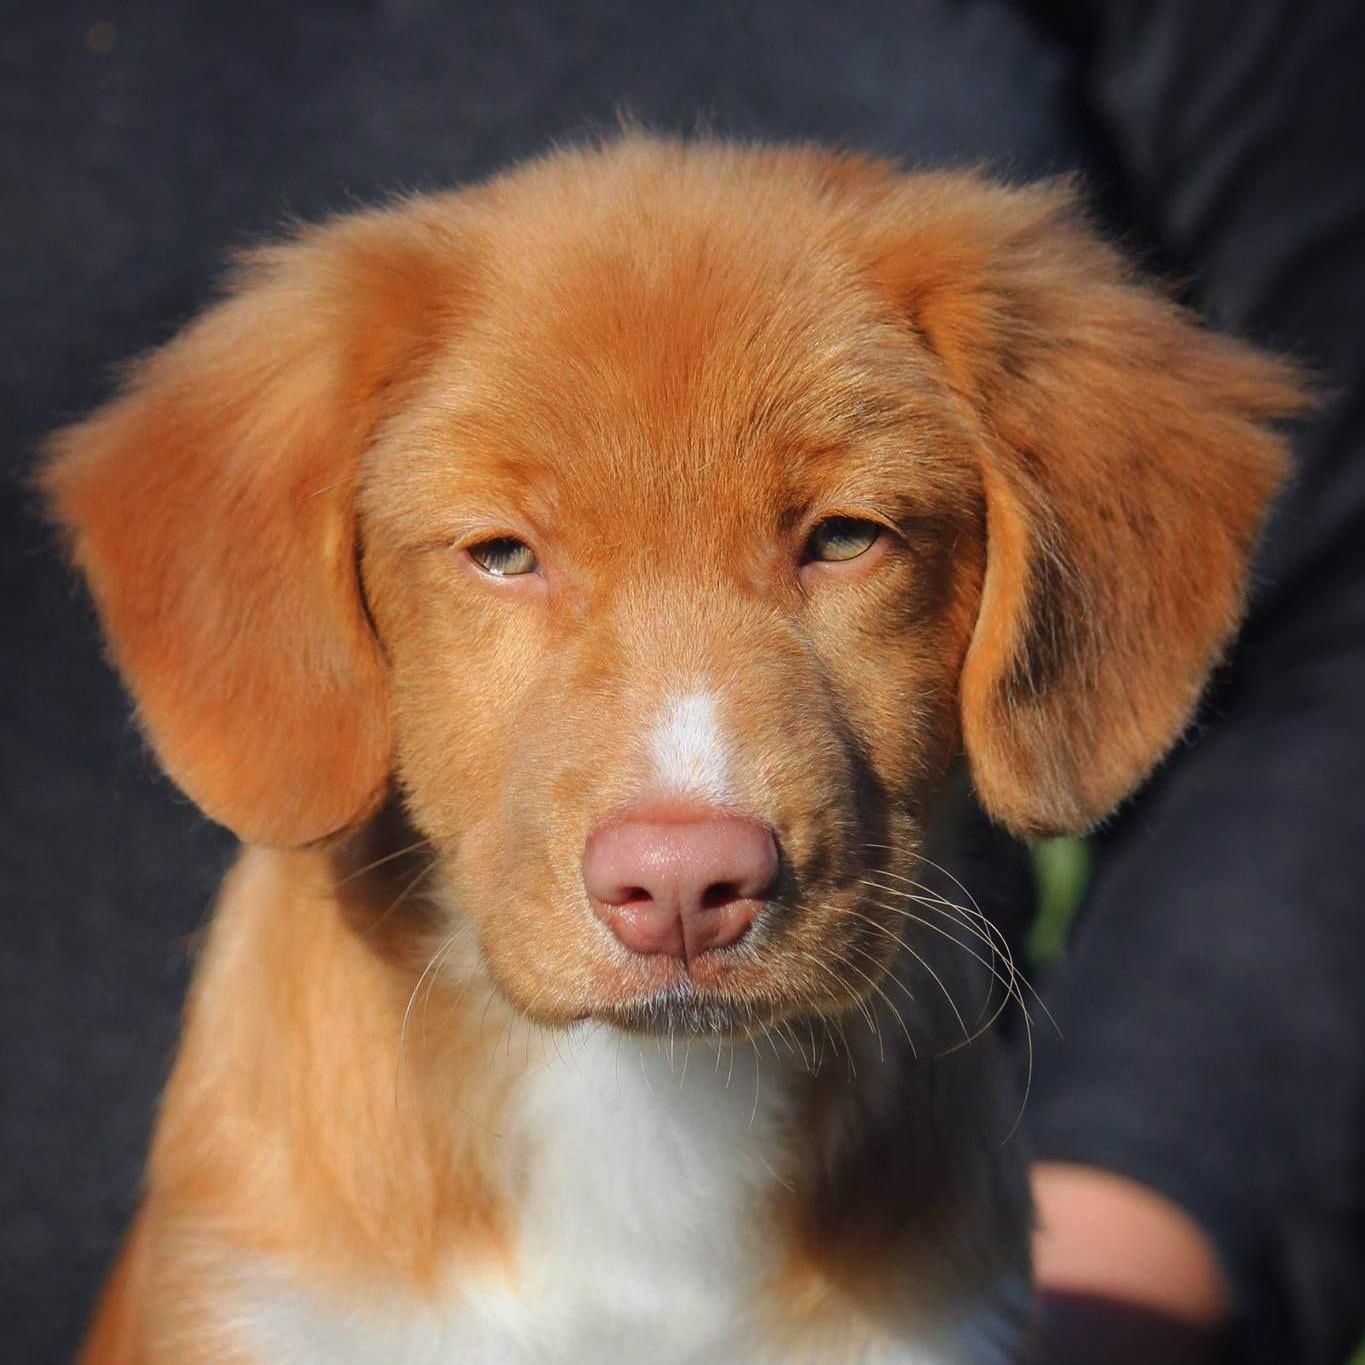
(662, 998)
(686, 1010)
(679, 1009)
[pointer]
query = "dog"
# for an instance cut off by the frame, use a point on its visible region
(581, 593)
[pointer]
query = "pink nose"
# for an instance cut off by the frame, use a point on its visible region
(679, 886)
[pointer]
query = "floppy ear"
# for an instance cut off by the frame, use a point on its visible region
(1127, 463)
(210, 507)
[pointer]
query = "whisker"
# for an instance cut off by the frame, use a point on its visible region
(995, 939)
(927, 897)
(431, 986)
(758, 1069)
(1009, 990)
(801, 1047)
(881, 1044)
(1007, 984)
(432, 965)
(983, 929)
(402, 895)
(768, 1038)
(891, 1004)
(379, 862)
(981, 916)
(928, 967)
(843, 987)
(848, 1051)
(1016, 977)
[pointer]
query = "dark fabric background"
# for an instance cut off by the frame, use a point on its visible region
(1213, 1008)
(139, 143)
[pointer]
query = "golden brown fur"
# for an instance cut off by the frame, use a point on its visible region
(658, 363)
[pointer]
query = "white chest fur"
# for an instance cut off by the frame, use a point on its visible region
(639, 1170)
(643, 1171)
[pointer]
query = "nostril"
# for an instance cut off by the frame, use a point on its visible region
(719, 894)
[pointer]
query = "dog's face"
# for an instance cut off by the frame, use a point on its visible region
(662, 521)
(674, 534)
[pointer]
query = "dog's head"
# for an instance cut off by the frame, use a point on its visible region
(661, 521)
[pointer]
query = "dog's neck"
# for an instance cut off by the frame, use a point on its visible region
(654, 1170)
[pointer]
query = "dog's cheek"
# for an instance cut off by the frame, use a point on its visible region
(459, 666)
(894, 653)
(457, 736)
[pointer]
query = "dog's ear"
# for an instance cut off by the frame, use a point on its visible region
(210, 508)
(1127, 464)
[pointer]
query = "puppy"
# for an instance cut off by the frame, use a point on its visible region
(578, 593)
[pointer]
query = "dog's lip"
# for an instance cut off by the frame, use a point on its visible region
(681, 1008)
(660, 979)
(678, 1003)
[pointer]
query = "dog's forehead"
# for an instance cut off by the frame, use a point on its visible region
(694, 340)
(686, 374)
(678, 370)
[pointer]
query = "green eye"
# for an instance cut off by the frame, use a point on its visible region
(504, 557)
(840, 538)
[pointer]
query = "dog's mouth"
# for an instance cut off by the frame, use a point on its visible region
(744, 997)
(686, 1009)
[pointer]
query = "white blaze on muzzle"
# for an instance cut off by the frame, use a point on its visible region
(687, 750)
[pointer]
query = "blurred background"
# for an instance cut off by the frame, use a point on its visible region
(140, 143)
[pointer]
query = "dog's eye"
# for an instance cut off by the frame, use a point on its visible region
(504, 557)
(840, 538)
